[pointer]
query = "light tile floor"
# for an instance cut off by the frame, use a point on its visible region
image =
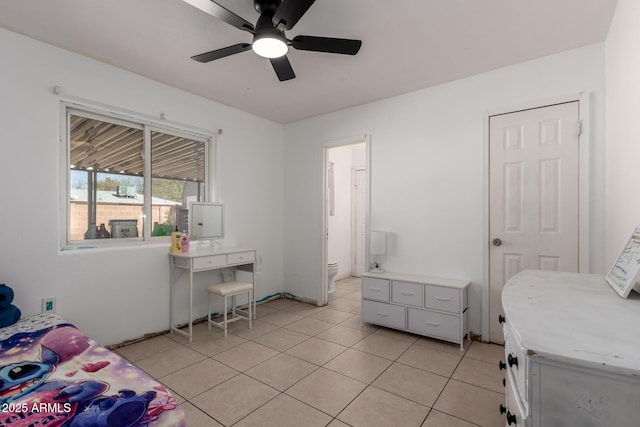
(317, 366)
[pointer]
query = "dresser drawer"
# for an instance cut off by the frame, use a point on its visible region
(513, 408)
(441, 298)
(209, 262)
(379, 313)
(439, 325)
(407, 293)
(241, 257)
(517, 363)
(377, 289)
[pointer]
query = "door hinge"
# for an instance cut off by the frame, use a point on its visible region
(579, 127)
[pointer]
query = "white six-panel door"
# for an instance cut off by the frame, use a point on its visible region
(533, 200)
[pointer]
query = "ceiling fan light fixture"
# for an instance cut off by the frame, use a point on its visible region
(270, 46)
(269, 40)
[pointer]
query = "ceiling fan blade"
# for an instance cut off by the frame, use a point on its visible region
(221, 53)
(283, 68)
(327, 44)
(290, 11)
(222, 13)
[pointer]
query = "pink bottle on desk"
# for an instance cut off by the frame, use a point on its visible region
(185, 242)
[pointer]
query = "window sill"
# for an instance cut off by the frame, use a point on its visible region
(88, 248)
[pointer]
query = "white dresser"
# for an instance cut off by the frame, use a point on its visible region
(572, 352)
(431, 306)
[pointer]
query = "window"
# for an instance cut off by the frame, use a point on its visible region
(129, 180)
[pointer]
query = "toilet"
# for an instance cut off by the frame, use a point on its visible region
(332, 270)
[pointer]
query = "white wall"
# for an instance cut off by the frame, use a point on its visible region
(427, 172)
(427, 176)
(114, 295)
(623, 133)
(339, 225)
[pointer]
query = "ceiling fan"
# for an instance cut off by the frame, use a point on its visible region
(269, 39)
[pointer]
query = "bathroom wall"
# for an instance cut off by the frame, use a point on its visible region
(340, 225)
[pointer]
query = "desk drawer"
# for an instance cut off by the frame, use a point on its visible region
(241, 257)
(212, 261)
(443, 299)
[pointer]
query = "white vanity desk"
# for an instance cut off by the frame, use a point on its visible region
(572, 352)
(205, 260)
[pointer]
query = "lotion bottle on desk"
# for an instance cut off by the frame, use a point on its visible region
(176, 242)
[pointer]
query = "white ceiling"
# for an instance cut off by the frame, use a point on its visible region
(407, 44)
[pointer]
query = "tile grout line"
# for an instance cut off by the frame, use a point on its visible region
(316, 366)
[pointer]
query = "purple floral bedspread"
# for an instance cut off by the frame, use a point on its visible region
(52, 375)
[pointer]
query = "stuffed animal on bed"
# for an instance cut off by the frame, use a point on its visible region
(9, 313)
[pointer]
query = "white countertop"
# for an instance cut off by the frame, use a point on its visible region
(575, 317)
(210, 251)
(416, 278)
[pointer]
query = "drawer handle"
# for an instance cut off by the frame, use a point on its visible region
(406, 293)
(375, 289)
(502, 365)
(502, 409)
(432, 324)
(512, 360)
(511, 418)
(441, 299)
(501, 318)
(383, 314)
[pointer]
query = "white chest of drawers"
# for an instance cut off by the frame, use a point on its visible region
(572, 352)
(431, 306)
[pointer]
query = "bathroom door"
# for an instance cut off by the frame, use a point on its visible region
(358, 200)
(533, 196)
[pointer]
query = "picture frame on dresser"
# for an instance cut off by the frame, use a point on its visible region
(624, 273)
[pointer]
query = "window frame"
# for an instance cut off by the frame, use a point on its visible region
(147, 125)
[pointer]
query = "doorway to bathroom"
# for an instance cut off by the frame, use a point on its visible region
(345, 211)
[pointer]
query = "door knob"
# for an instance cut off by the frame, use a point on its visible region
(496, 242)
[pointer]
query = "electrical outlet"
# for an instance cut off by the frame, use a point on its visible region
(48, 305)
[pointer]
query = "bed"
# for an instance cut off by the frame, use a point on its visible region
(52, 375)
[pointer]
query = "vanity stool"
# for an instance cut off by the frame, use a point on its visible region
(230, 289)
